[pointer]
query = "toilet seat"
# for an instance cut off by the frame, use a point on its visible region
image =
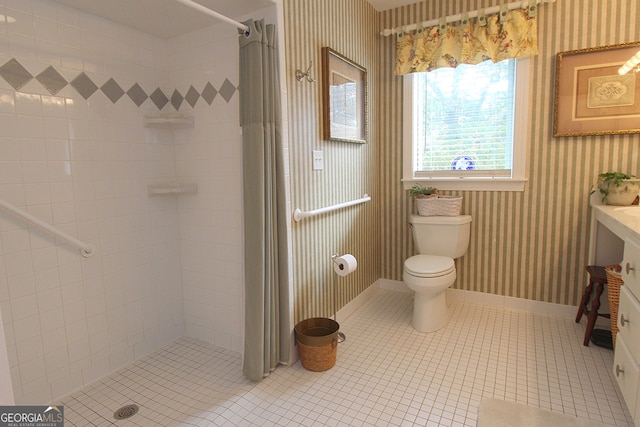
(429, 266)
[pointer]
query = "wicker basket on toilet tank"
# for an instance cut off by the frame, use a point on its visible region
(429, 203)
(439, 205)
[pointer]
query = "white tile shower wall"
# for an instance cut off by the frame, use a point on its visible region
(84, 166)
(211, 223)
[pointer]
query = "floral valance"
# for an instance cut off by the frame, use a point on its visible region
(509, 34)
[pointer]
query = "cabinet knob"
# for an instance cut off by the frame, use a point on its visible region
(619, 370)
(623, 321)
(629, 268)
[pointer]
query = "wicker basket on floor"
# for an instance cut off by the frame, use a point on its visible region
(614, 282)
(317, 340)
(439, 206)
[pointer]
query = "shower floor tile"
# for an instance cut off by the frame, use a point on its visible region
(386, 374)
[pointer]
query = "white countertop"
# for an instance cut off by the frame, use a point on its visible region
(624, 221)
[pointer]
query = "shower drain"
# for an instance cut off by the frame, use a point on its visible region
(125, 412)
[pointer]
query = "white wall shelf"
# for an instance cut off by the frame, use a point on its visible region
(169, 122)
(171, 188)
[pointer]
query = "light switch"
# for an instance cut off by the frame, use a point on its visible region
(318, 160)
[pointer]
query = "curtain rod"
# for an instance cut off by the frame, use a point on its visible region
(207, 11)
(456, 18)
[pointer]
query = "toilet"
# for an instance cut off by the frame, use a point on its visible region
(439, 240)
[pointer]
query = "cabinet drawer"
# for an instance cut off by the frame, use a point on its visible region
(627, 373)
(631, 266)
(629, 321)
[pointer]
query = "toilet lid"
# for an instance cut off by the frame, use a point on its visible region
(429, 265)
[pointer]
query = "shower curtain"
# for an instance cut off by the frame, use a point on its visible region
(267, 333)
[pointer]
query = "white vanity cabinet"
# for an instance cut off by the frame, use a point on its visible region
(626, 361)
(626, 364)
(631, 266)
(615, 239)
(627, 374)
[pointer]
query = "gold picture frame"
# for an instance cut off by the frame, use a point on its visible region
(591, 98)
(344, 98)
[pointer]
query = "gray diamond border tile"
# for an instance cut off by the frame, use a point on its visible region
(176, 99)
(159, 98)
(192, 96)
(15, 74)
(112, 90)
(227, 90)
(137, 94)
(209, 93)
(52, 80)
(84, 85)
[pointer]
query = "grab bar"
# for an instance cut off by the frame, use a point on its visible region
(86, 249)
(298, 215)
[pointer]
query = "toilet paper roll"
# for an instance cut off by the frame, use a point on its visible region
(345, 264)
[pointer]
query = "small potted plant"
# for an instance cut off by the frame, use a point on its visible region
(618, 188)
(420, 192)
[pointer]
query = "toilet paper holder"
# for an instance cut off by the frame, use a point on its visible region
(334, 258)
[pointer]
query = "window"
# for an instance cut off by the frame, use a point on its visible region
(465, 127)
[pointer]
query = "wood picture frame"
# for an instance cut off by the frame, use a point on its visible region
(591, 98)
(344, 98)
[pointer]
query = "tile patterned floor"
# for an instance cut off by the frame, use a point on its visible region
(386, 374)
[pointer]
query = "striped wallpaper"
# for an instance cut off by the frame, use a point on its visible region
(530, 244)
(350, 170)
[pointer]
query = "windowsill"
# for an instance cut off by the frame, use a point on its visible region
(469, 184)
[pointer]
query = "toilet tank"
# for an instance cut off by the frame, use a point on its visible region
(441, 235)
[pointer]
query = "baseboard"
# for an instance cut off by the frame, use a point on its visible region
(511, 303)
(355, 304)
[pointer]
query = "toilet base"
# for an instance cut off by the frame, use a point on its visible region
(429, 312)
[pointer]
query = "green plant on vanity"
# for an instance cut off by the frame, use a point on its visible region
(418, 191)
(618, 188)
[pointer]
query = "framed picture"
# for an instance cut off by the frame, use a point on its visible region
(591, 98)
(344, 98)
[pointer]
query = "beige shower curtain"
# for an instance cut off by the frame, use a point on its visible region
(267, 334)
